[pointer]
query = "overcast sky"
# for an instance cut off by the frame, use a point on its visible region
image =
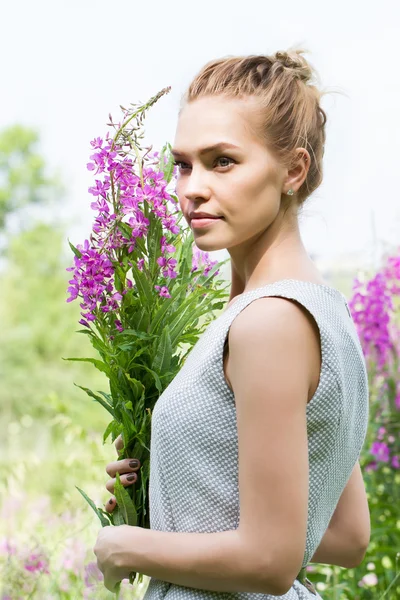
(67, 64)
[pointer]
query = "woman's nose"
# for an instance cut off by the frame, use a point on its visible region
(196, 186)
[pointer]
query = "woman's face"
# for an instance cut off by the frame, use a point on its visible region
(226, 170)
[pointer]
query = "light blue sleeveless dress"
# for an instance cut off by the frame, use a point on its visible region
(193, 483)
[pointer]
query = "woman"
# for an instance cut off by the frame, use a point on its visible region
(254, 468)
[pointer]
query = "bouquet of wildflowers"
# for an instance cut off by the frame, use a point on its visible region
(143, 287)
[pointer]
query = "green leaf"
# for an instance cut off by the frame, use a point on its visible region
(157, 320)
(154, 239)
(167, 168)
(75, 250)
(143, 335)
(107, 397)
(139, 243)
(103, 520)
(125, 229)
(109, 429)
(101, 366)
(146, 295)
(97, 398)
(119, 286)
(183, 321)
(155, 376)
(137, 387)
(162, 358)
(125, 503)
(118, 518)
(161, 161)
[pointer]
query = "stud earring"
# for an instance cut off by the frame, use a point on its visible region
(290, 192)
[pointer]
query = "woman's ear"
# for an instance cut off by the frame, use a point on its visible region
(298, 173)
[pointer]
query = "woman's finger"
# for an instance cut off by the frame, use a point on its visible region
(125, 480)
(127, 465)
(119, 444)
(110, 504)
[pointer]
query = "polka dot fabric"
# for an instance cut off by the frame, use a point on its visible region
(194, 443)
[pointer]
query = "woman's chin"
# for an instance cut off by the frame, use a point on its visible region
(208, 245)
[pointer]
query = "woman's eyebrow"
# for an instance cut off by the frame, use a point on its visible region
(218, 146)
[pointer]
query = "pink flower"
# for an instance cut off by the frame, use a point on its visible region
(36, 562)
(93, 574)
(372, 466)
(7, 546)
(381, 451)
(163, 291)
(96, 143)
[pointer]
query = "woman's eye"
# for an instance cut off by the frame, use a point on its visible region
(222, 162)
(181, 165)
(227, 161)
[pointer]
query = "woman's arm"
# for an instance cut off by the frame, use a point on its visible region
(346, 540)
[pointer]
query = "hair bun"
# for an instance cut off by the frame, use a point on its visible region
(296, 62)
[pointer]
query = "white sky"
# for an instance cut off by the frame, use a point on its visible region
(67, 64)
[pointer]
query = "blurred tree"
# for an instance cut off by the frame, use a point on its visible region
(23, 179)
(38, 329)
(36, 325)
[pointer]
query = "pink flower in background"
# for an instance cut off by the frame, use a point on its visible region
(396, 462)
(92, 575)
(7, 546)
(73, 557)
(381, 451)
(37, 562)
(372, 466)
(371, 307)
(381, 433)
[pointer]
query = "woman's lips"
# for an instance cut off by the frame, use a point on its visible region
(196, 223)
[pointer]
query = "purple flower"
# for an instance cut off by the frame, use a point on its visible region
(371, 308)
(36, 562)
(101, 188)
(96, 143)
(169, 264)
(139, 224)
(381, 451)
(118, 325)
(120, 191)
(396, 462)
(163, 291)
(93, 575)
(7, 546)
(372, 466)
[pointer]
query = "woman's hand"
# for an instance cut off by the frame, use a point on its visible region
(114, 552)
(127, 470)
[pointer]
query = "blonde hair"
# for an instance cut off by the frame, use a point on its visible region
(284, 84)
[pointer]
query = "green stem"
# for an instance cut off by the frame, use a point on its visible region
(390, 586)
(143, 108)
(335, 584)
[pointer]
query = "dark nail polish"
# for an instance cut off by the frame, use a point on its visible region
(131, 477)
(111, 501)
(133, 464)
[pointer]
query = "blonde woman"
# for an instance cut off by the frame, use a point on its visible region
(254, 468)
